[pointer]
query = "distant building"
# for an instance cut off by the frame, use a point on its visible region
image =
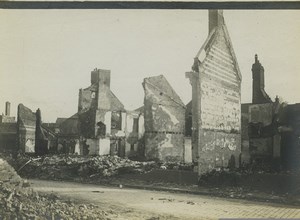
(6, 118)
(8, 131)
(26, 135)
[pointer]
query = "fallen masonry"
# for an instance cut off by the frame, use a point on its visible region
(18, 201)
(85, 168)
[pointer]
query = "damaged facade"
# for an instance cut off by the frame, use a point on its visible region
(8, 131)
(32, 137)
(101, 126)
(289, 129)
(214, 130)
(27, 134)
(68, 135)
(26, 129)
(270, 134)
(164, 121)
(216, 100)
(100, 116)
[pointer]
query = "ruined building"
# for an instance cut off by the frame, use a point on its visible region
(43, 138)
(271, 130)
(257, 116)
(289, 129)
(32, 137)
(8, 131)
(27, 134)
(101, 126)
(26, 129)
(68, 135)
(216, 100)
(164, 114)
(100, 115)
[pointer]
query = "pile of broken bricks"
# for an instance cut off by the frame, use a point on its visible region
(19, 201)
(73, 167)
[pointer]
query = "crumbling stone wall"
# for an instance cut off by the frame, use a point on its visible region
(7, 119)
(290, 149)
(8, 131)
(97, 111)
(8, 137)
(26, 124)
(260, 134)
(220, 123)
(87, 98)
(216, 105)
(164, 115)
(264, 137)
(41, 141)
(68, 138)
(132, 133)
(245, 159)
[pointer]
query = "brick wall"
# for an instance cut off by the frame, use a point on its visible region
(26, 129)
(164, 120)
(216, 95)
(8, 137)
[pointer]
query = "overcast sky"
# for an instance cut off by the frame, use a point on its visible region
(46, 56)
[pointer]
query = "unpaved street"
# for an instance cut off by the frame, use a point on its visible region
(143, 204)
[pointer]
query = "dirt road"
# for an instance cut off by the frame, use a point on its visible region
(143, 204)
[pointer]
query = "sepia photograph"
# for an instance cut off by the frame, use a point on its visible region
(154, 114)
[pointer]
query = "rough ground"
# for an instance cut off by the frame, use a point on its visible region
(143, 204)
(18, 201)
(112, 170)
(70, 167)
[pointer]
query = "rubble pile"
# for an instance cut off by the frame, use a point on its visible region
(18, 201)
(177, 166)
(221, 177)
(71, 167)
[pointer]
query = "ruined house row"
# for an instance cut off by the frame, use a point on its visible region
(213, 130)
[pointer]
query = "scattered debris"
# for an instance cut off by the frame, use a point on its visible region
(70, 167)
(96, 191)
(19, 202)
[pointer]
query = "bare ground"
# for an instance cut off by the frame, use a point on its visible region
(122, 203)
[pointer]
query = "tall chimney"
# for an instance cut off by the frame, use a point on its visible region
(215, 19)
(100, 76)
(259, 94)
(7, 108)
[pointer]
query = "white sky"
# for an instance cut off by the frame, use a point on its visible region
(46, 56)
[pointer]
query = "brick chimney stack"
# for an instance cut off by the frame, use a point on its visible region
(100, 76)
(259, 94)
(7, 108)
(215, 19)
